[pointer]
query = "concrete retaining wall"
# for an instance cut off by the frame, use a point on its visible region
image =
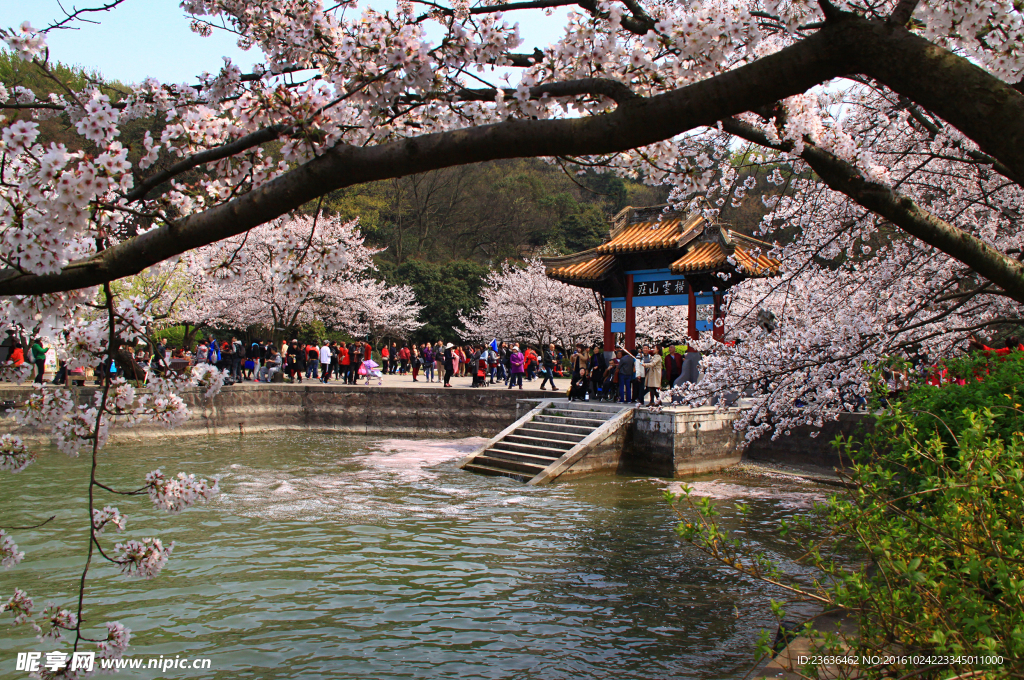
(681, 442)
(356, 410)
(800, 448)
(668, 444)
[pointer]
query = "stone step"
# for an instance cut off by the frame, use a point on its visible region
(568, 437)
(561, 428)
(496, 472)
(536, 450)
(541, 461)
(579, 413)
(590, 423)
(531, 469)
(587, 406)
(538, 442)
(517, 438)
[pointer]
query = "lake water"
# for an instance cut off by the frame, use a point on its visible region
(354, 557)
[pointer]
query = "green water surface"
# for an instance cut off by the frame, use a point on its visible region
(351, 557)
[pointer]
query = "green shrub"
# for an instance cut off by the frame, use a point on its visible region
(934, 522)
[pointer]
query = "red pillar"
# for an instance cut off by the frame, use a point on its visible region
(630, 341)
(609, 339)
(691, 313)
(718, 322)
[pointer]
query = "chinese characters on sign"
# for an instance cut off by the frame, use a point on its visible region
(664, 287)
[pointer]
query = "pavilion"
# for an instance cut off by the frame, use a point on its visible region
(656, 259)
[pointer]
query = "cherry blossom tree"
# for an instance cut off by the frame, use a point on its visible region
(383, 311)
(523, 304)
(657, 324)
(292, 271)
(625, 80)
(95, 340)
(854, 290)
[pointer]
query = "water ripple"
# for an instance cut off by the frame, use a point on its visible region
(349, 557)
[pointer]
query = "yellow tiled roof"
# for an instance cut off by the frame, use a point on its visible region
(651, 235)
(707, 256)
(761, 266)
(587, 270)
(701, 257)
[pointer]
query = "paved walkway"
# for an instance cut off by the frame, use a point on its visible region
(402, 381)
(405, 381)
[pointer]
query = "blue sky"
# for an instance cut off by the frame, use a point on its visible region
(151, 38)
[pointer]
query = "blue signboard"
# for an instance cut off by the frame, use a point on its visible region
(705, 302)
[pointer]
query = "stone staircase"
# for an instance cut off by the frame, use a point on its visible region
(548, 440)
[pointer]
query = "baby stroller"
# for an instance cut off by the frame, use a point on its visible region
(371, 369)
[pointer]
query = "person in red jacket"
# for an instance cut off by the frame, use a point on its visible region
(405, 357)
(531, 363)
(344, 363)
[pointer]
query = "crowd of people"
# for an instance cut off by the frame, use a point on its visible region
(625, 377)
(34, 354)
(592, 372)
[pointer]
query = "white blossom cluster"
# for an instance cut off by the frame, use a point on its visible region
(25, 42)
(21, 606)
(142, 559)
(9, 553)
(174, 494)
(45, 410)
(116, 642)
(108, 515)
(59, 620)
(209, 376)
(992, 33)
(14, 455)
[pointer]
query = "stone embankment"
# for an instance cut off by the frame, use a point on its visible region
(249, 408)
(672, 442)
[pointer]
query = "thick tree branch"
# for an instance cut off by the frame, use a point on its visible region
(902, 211)
(986, 110)
(830, 11)
(903, 11)
(605, 87)
(639, 23)
(918, 115)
